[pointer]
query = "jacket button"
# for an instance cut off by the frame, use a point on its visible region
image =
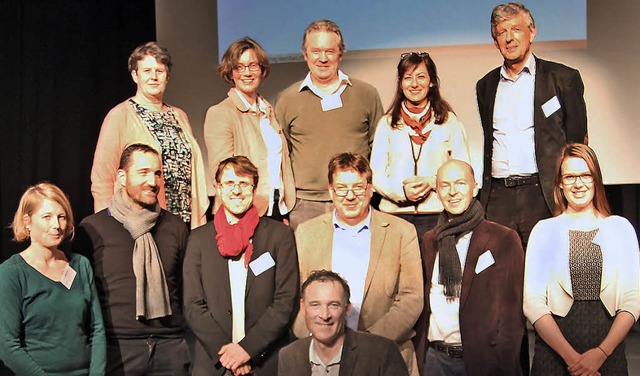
(229, 312)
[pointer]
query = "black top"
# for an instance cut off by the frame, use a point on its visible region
(109, 247)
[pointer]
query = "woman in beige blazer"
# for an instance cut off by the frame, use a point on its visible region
(244, 124)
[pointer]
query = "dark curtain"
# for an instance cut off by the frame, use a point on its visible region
(63, 65)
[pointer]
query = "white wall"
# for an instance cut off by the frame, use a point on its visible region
(608, 64)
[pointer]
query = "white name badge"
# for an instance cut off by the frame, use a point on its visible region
(331, 102)
(67, 277)
(261, 264)
(484, 261)
(551, 106)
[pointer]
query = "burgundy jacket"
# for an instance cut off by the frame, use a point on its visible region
(491, 318)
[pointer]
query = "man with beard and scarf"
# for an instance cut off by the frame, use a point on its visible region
(472, 321)
(240, 281)
(137, 249)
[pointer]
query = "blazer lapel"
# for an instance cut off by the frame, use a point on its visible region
(259, 242)
(349, 356)
(477, 246)
(378, 236)
(220, 269)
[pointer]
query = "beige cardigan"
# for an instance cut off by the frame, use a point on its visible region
(230, 128)
(122, 127)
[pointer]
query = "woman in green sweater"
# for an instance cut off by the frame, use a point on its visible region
(50, 321)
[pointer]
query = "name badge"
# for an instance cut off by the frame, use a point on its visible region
(484, 261)
(68, 275)
(262, 263)
(551, 106)
(331, 102)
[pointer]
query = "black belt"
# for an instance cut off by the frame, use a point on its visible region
(452, 351)
(516, 181)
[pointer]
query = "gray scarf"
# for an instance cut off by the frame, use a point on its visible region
(448, 231)
(152, 293)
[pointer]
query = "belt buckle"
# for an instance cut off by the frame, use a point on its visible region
(510, 182)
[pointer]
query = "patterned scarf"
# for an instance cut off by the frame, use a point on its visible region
(152, 293)
(235, 239)
(417, 125)
(448, 231)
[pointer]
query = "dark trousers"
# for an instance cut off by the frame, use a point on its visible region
(439, 364)
(519, 208)
(150, 356)
(422, 222)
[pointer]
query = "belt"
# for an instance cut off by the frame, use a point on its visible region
(452, 351)
(516, 181)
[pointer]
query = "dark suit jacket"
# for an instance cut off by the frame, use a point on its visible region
(551, 134)
(491, 318)
(270, 297)
(363, 354)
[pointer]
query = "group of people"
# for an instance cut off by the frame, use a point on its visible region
(297, 273)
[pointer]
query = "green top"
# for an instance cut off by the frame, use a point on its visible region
(47, 329)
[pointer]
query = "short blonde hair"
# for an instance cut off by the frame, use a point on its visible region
(31, 201)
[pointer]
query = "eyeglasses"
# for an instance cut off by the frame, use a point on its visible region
(229, 186)
(571, 179)
(253, 67)
(357, 191)
(420, 54)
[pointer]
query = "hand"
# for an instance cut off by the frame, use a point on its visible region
(416, 188)
(588, 363)
(244, 369)
(233, 356)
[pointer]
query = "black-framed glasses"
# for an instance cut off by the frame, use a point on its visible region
(231, 185)
(344, 191)
(253, 67)
(571, 179)
(420, 54)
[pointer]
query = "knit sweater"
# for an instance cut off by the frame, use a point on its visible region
(314, 135)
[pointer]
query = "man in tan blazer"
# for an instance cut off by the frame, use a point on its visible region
(377, 253)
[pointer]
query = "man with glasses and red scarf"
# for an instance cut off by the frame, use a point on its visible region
(377, 253)
(240, 281)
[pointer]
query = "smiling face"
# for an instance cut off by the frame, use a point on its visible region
(47, 224)
(141, 179)
(236, 192)
(245, 79)
(325, 311)
(415, 85)
(455, 186)
(579, 194)
(151, 77)
(513, 38)
(322, 54)
(352, 208)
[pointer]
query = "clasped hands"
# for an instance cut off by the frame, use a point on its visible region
(234, 358)
(416, 188)
(587, 363)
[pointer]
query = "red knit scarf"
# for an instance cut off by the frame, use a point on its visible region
(234, 239)
(417, 126)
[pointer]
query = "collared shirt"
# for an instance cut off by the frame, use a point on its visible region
(342, 78)
(350, 258)
(238, 283)
(513, 133)
(273, 142)
(444, 321)
(317, 365)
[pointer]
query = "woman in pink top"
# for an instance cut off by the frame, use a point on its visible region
(145, 118)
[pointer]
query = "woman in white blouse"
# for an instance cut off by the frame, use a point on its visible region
(582, 276)
(417, 135)
(244, 124)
